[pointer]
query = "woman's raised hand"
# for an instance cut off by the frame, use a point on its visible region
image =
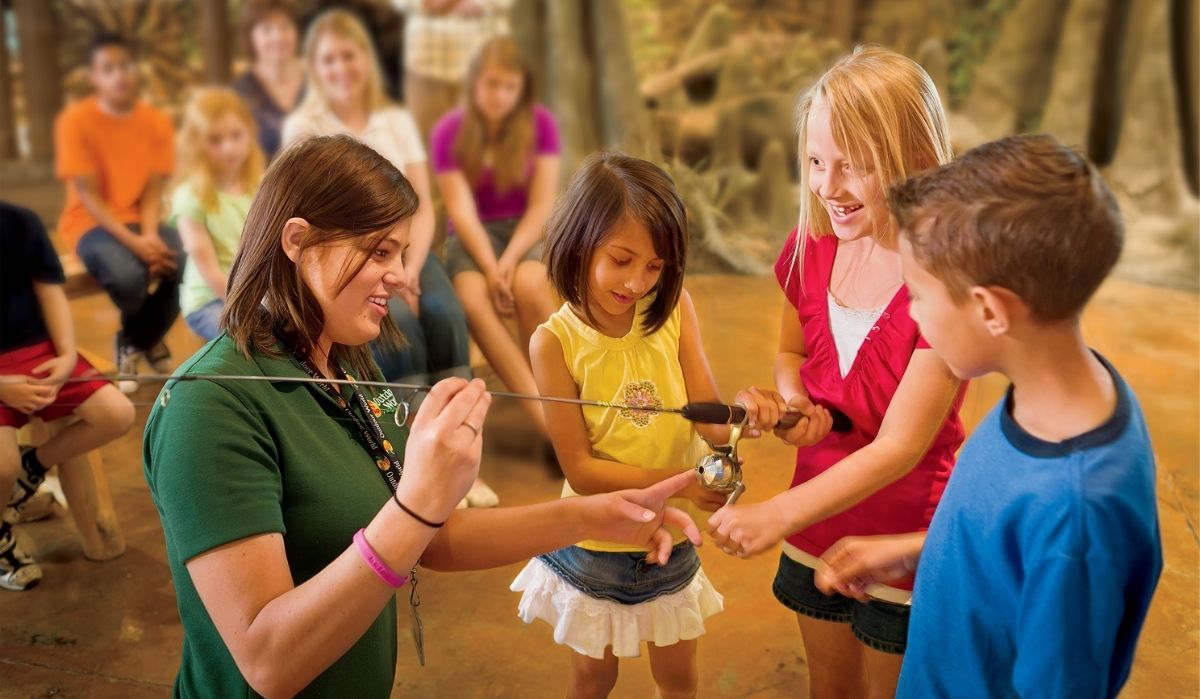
(441, 459)
(639, 517)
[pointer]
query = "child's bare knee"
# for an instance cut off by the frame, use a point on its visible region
(593, 679)
(595, 684)
(678, 683)
(109, 411)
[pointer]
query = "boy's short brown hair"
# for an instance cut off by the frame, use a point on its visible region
(1024, 213)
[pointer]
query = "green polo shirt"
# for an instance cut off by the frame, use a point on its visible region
(226, 460)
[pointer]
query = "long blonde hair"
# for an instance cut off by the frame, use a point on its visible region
(515, 141)
(205, 107)
(345, 25)
(886, 116)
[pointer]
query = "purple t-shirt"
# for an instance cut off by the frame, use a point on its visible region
(489, 203)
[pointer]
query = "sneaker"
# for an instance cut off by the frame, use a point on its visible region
(159, 358)
(26, 486)
(17, 570)
(37, 507)
(126, 357)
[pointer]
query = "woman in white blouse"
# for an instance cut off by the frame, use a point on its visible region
(345, 95)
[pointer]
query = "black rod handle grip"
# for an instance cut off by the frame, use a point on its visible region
(725, 414)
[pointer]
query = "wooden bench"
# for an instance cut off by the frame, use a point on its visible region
(79, 282)
(84, 485)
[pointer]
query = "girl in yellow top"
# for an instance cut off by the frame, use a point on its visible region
(616, 247)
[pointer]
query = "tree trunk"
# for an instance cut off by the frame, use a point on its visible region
(840, 19)
(1075, 80)
(935, 60)
(528, 30)
(1185, 42)
(624, 122)
(1009, 87)
(8, 145)
(214, 33)
(1147, 170)
(1110, 79)
(714, 31)
(37, 31)
(569, 79)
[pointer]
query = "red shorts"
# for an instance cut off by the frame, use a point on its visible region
(22, 361)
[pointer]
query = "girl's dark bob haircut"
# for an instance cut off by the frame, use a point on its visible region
(608, 188)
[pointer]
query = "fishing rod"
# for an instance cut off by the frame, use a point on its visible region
(709, 413)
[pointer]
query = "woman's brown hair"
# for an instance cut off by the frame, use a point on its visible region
(514, 142)
(607, 189)
(344, 190)
(255, 11)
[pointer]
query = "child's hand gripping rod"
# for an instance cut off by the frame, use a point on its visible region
(725, 414)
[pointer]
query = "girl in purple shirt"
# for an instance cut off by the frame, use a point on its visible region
(496, 160)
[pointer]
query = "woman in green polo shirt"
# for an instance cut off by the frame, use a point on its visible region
(289, 514)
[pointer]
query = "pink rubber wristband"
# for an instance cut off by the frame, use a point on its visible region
(386, 574)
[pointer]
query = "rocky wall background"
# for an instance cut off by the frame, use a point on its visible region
(708, 90)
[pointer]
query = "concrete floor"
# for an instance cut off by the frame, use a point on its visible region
(111, 629)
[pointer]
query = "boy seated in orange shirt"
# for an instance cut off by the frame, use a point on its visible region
(114, 151)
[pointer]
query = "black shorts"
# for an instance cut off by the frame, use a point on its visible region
(877, 624)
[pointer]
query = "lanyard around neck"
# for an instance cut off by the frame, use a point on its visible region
(369, 429)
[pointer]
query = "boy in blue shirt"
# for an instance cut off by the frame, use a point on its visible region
(1039, 565)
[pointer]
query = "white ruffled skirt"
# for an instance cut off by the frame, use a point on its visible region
(588, 625)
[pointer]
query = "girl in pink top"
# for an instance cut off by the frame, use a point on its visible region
(497, 164)
(847, 342)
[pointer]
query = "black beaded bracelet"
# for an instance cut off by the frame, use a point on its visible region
(414, 515)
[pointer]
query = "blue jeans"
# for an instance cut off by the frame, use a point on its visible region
(145, 317)
(437, 338)
(624, 577)
(205, 321)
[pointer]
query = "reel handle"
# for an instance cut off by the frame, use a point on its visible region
(725, 414)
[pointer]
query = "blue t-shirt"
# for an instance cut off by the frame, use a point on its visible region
(1039, 563)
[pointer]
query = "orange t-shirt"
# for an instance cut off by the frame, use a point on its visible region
(122, 153)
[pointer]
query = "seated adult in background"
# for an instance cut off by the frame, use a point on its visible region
(274, 83)
(345, 95)
(114, 151)
(497, 162)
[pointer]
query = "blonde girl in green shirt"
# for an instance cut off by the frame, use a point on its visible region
(220, 166)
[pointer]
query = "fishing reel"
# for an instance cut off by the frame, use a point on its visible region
(721, 469)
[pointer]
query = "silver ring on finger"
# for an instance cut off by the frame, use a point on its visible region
(471, 427)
